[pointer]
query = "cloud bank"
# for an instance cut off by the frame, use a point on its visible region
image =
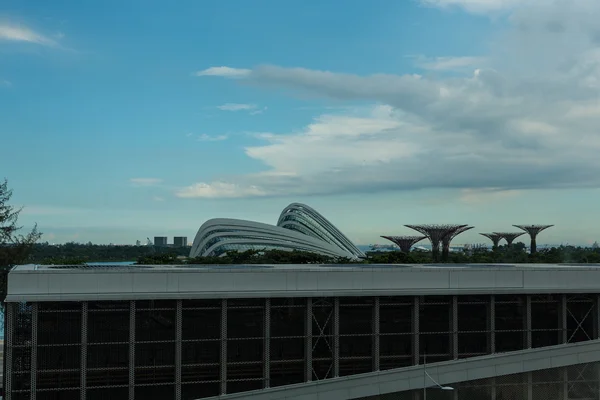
(525, 118)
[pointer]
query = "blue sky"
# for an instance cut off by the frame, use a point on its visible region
(133, 119)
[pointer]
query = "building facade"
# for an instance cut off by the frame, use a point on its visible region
(181, 333)
(160, 241)
(180, 241)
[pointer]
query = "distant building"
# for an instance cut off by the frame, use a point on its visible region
(138, 243)
(180, 241)
(160, 241)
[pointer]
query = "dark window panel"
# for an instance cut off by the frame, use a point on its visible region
(434, 318)
(205, 352)
(245, 303)
(287, 349)
(107, 355)
(154, 325)
(286, 373)
(21, 359)
(108, 326)
(355, 319)
(434, 344)
(108, 305)
(466, 299)
(150, 354)
(59, 306)
(58, 379)
(436, 299)
(288, 321)
(322, 347)
(395, 319)
(545, 338)
(201, 324)
(472, 317)
(193, 391)
(151, 375)
(21, 395)
(107, 377)
(21, 381)
(244, 371)
(203, 373)
(510, 317)
(358, 300)
(580, 312)
(356, 346)
(72, 394)
(244, 386)
(245, 323)
(58, 357)
(510, 298)
(59, 328)
(155, 392)
(472, 343)
(113, 393)
(395, 362)
(396, 300)
(322, 369)
(355, 366)
(395, 345)
(245, 350)
(509, 341)
(201, 303)
(153, 304)
(288, 302)
(545, 316)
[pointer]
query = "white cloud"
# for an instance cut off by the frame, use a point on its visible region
(477, 6)
(158, 199)
(527, 119)
(450, 63)
(5, 83)
(226, 72)
(145, 181)
(219, 190)
(20, 33)
(236, 107)
(208, 138)
(260, 111)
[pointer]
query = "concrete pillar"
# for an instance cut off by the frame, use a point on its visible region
(562, 321)
(267, 345)
(336, 337)
(527, 322)
(492, 325)
(178, 345)
(223, 346)
(308, 345)
(376, 332)
(131, 349)
(454, 327)
(33, 363)
(84, 332)
(416, 329)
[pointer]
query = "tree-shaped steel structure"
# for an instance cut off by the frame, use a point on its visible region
(509, 236)
(435, 234)
(404, 242)
(446, 240)
(494, 237)
(533, 231)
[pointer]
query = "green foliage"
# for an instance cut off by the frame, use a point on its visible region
(14, 248)
(158, 259)
(64, 261)
(268, 257)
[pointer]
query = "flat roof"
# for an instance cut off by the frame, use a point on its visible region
(118, 282)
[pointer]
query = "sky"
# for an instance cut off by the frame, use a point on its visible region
(126, 120)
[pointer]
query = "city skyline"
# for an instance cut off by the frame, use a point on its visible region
(127, 122)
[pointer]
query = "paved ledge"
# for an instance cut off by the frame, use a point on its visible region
(448, 372)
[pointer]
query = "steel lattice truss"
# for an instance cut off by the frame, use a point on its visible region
(436, 234)
(449, 237)
(533, 231)
(509, 236)
(494, 237)
(404, 242)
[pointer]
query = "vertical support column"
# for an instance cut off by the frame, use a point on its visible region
(267, 345)
(415, 329)
(9, 318)
(597, 318)
(527, 321)
(492, 325)
(563, 319)
(376, 332)
(454, 328)
(565, 383)
(131, 349)
(34, 335)
(224, 346)
(529, 386)
(178, 346)
(336, 337)
(84, 339)
(308, 345)
(493, 388)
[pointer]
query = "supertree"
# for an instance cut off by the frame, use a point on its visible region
(533, 231)
(448, 238)
(435, 234)
(404, 242)
(494, 237)
(509, 236)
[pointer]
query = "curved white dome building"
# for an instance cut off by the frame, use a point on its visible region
(299, 228)
(304, 219)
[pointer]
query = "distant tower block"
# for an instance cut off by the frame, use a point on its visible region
(494, 237)
(509, 236)
(533, 231)
(405, 242)
(435, 234)
(449, 237)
